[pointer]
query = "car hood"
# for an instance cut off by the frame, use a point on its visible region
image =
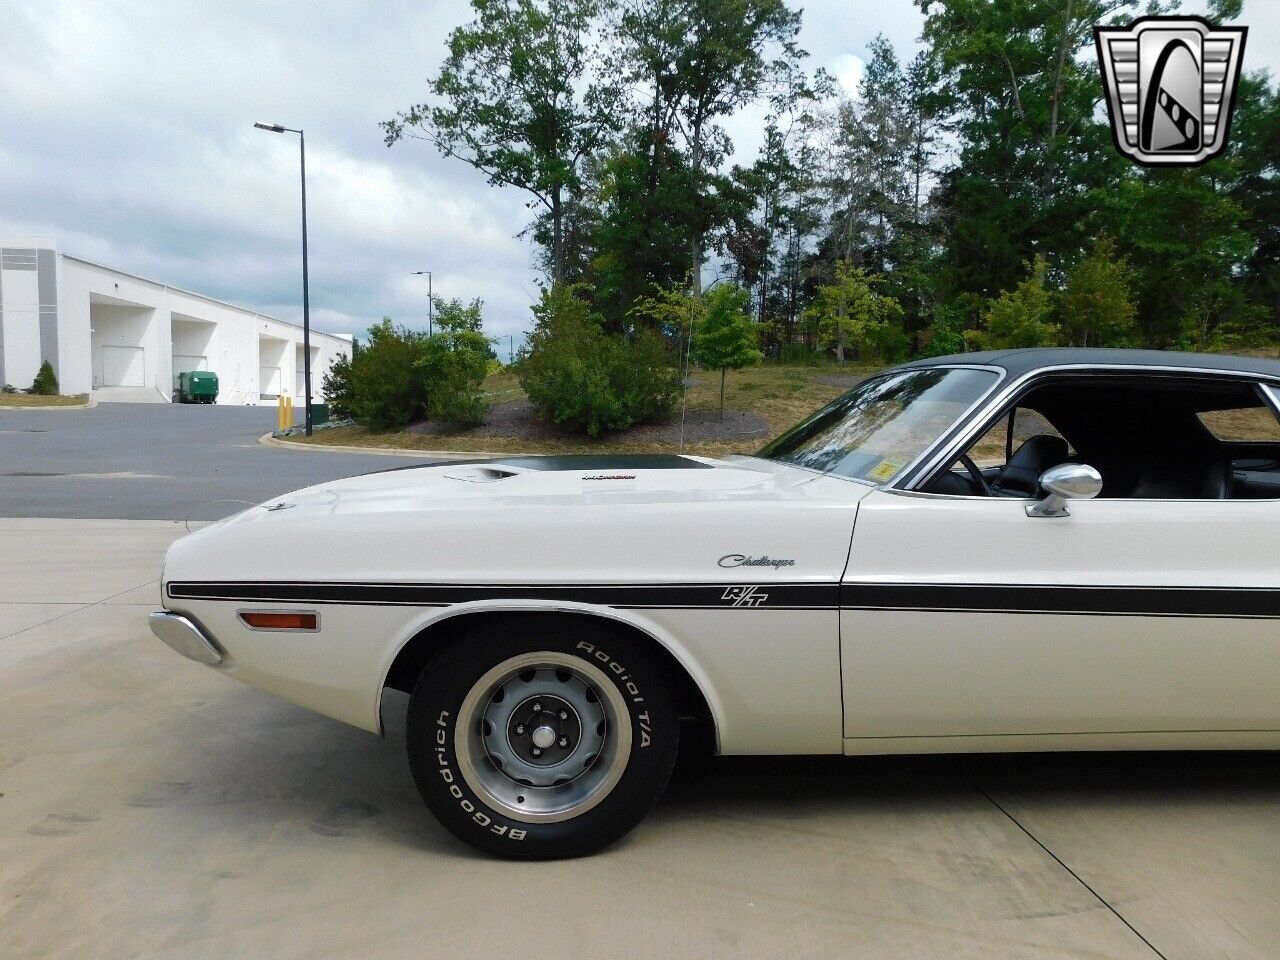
(536, 518)
(523, 482)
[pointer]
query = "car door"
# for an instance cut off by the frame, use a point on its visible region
(966, 617)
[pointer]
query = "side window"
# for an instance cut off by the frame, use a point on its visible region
(993, 447)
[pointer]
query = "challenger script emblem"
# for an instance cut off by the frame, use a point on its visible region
(1171, 84)
(745, 596)
(746, 560)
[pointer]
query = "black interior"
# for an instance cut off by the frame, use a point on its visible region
(1143, 435)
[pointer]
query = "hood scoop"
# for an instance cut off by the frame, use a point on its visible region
(476, 473)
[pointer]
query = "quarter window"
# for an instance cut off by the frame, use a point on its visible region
(1255, 424)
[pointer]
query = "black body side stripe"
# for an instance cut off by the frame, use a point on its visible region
(1239, 602)
(773, 596)
(1226, 602)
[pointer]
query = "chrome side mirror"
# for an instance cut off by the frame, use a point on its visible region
(1070, 481)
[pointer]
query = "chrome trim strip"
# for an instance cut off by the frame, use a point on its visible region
(909, 479)
(1272, 395)
(184, 635)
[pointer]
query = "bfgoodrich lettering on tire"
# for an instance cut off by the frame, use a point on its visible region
(541, 737)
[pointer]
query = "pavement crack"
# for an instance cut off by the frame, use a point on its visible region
(1063, 864)
(76, 608)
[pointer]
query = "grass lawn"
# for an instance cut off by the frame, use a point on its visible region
(33, 400)
(781, 395)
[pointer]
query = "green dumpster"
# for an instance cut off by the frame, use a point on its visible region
(197, 386)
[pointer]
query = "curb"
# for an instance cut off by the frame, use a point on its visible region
(89, 404)
(267, 440)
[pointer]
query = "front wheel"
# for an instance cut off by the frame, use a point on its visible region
(539, 739)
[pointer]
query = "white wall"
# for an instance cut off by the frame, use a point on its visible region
(231, 342)
(118, 325)
(193, 339)
(21, 335)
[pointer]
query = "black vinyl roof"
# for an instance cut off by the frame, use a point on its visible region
(1018, 362)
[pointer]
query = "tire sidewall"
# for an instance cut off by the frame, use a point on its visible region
(434, 714)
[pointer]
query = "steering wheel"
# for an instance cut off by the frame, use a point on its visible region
(976, 475)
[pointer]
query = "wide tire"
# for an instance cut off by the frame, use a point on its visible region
(511, 784)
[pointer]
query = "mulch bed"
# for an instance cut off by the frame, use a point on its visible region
(515, 419)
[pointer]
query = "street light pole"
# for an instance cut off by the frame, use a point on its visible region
(431, 301)
(306, 286)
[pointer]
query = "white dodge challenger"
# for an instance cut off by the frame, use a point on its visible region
(1021, 550)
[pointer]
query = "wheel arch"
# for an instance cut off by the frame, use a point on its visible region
(694, 695)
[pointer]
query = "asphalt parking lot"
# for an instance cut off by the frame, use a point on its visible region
(143, 461)
(151, 808)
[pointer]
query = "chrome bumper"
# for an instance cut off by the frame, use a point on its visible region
(184, 635)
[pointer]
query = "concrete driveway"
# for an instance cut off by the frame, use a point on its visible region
(152, 808)
(154, 462)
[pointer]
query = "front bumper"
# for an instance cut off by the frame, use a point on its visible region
(185, 636)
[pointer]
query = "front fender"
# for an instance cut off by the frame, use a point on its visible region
(429, 619)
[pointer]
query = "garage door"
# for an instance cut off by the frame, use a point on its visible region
(269, 382)
(122, 367)
(182, 363)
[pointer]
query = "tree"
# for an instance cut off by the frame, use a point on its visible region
(849, 310)
(1096, 305)
(1186, 241)
(726, 339)
(1021, 317)
(46, 381)
(699, 61)
(454, 316)
(523, 98)
(1254, 185)
(1034, 153)
(946, 332)
(645, 223)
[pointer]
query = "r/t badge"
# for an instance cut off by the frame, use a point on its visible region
(745, 596)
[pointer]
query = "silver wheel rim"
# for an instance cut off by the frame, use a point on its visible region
(543, 737)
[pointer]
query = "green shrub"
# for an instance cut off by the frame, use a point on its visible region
(405, 375)
(388, 389)
(8, 388)
(46, 381)
(454, 364)
(336, 387)
(797, 354)
(582, 378)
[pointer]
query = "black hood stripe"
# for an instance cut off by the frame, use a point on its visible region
(572, 463)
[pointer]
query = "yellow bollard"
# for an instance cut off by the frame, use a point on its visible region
(284, 413)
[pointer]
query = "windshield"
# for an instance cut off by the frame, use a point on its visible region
(883, 424)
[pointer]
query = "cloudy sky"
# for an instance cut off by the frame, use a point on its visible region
(126, 133)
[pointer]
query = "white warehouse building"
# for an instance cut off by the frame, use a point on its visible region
(126, 338)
